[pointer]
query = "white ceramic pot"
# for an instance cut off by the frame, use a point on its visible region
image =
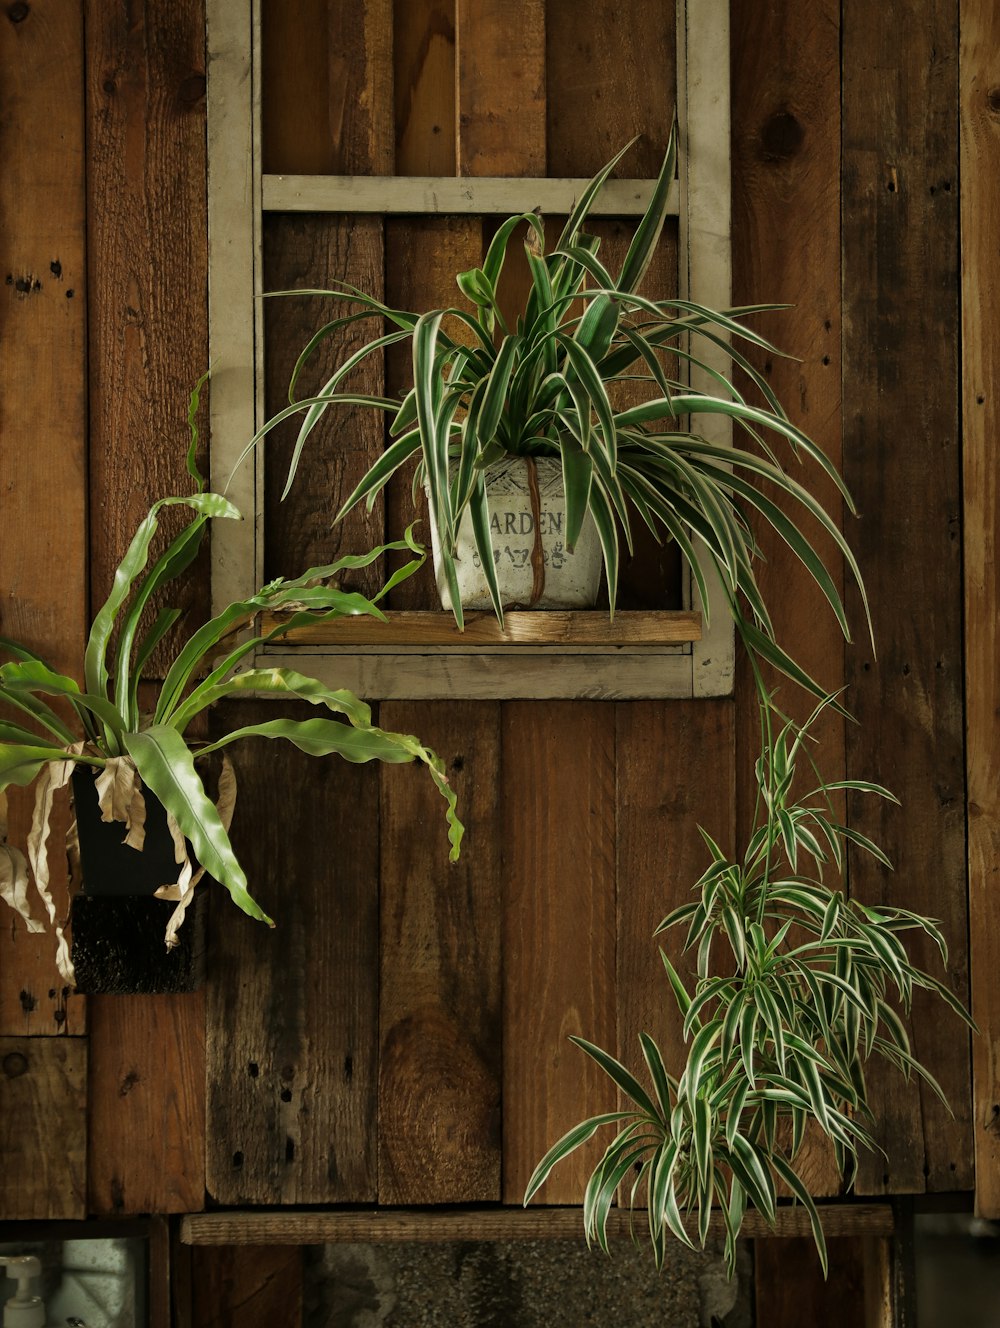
(534, 568)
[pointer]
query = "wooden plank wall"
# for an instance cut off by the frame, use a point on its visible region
(43, 310)
(980, 164)
(401, 1035)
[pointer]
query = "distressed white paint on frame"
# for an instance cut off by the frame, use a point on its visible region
(463, 195)
(233, 287)
(235, 209)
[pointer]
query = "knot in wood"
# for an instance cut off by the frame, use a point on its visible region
(781, 136)
(15, 1064)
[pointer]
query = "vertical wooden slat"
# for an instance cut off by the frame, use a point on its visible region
(253, 1287)
(423, 254)
(43, 1140)
(147, 266)
(439, 996)
(43, 415)
(326, 108)
(786, 248)
(146, 1123)
(558, 796)
(675, 772)
(424, 86)
(299, 532)
(900, 274)
(790, 1290)
(980, 171)
(501, 87)
(610, 75)
(292, 1013)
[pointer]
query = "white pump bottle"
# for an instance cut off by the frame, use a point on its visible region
(23, 1310)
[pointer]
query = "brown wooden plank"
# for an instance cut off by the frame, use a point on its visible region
(439, 995)
(558, 797)
(246, 1288)
(790, 1289)
(424, 86)
(325, 109)
(900, 260)
(147, 264)
(786, 248)
(600, 93)
(326, 91)
(423, 257)
(491, 1224)
(299, 532)
(501, 87)
(292, 1029)
(146, 1118)
(43, 1101)
(980, 164)
(521, 627)
(675, 772)
(43, 551)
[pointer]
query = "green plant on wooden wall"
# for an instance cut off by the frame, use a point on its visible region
(102, 727)
(548, 386)
(795, 991)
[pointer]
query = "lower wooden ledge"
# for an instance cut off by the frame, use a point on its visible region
(428, 1226)
(522, 627)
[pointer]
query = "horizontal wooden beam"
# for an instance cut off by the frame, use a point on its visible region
(522, 627)
(392, 1226)
(455, 195)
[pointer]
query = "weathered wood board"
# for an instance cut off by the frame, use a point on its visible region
(559, 916)
(980, 171)
(440, 965)
(902, 462)
(43, 421)
(292, 1040)
(146, 1105)
(43, 1137)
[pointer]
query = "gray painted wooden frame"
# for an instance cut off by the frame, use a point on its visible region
(238, 194)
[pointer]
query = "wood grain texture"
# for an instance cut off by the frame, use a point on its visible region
(610, 74)
(487, 1224)
(299, 532)
(980, 200)
(146, 1116)
(43, 305)
(147, 265)
(900, 272)
(424, 86)
(440, 947)
(786, 248)
(423, 256)
(521, 627)
(245, 1288)
(501, 87)
(559, 910)
(790, 1289)
(292, 1031)
(675, 772)
(43, 1102)
(326, 96)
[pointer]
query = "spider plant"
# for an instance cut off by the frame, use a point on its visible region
(796, 987)
(550, 386)
(102, 728)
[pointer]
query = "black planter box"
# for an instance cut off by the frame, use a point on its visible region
(117, 925)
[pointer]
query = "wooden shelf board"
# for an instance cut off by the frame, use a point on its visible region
(427, 1226)
(668, 627)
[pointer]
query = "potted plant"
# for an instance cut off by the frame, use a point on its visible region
(534, 406)
(139, 778)
(795, 990)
